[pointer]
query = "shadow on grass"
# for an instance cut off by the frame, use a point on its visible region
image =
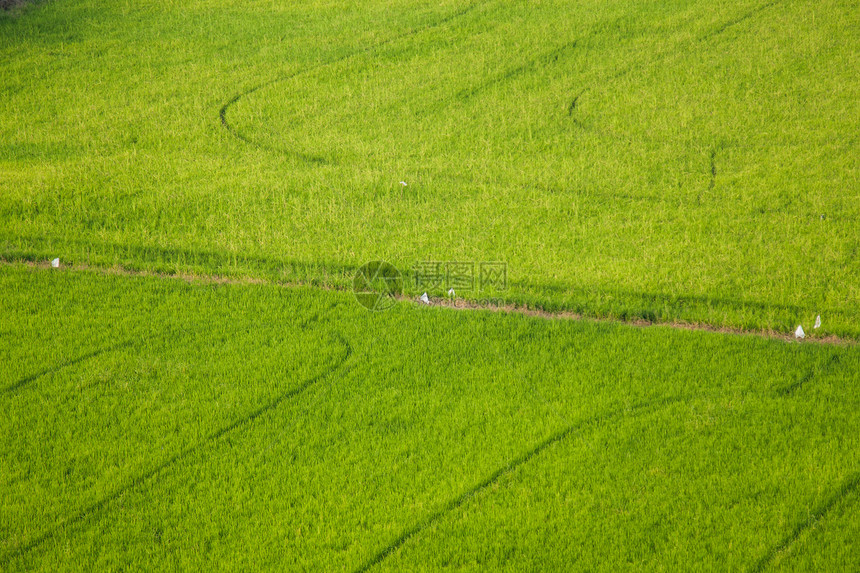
(166, 259)
(12, 4)
(596, 302)
(653, 299)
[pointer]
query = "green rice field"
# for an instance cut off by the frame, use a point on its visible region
(661, 193)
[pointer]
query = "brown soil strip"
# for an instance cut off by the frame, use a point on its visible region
(454, 304)
(461, 304)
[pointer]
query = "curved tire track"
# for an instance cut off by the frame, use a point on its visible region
(62, 366)
(739, 19)
(493, 478)
(848, 487)
(153, 473)
(817, 370)
(316, 158)
(469, 93)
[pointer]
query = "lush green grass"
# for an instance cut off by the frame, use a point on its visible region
(707, 171)
(152, 423)
(677, 160)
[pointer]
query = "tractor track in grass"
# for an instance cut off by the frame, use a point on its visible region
(739, 19)
(62, 366)
(817, 370)
(546, 58)
(508, 468)
(465, 497)
(469, 93)
(458, 304)
(153, 473)
(849, 486)
(310, 158)
(712, 180)
(846, 489)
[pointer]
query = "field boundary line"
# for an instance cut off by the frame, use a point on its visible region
(134, 482)
(463, 304)
(459, 304)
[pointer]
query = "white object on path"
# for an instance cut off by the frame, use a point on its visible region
(817, 321)
(799, 332)
(424, 298)
(55, 263)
